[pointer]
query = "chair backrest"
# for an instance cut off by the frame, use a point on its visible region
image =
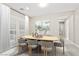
(32, 42)
(46, 43)
(61, 38)
(49, 44)
(62, 41)
(21, 40)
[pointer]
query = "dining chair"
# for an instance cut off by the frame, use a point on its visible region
(60, 44)
(46, 46)
(22, 43)
(32, 44)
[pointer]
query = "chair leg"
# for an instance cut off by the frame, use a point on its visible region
(26, 48)
(38, 50)
(63, 50)
(55, 50)
(18, 48)
(30, 50)
(46, 51)
(19, 51)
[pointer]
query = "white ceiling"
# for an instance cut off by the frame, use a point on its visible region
(51, 8)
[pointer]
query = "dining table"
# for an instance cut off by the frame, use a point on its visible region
(43, 38)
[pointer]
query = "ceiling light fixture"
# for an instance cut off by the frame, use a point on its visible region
(27, 8)
(43, 4)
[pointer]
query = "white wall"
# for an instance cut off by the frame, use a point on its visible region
(76, 28)
(26, 25)
(70, 28)
(0, 28)
(4, 29)
(67, 29)
(54, 26)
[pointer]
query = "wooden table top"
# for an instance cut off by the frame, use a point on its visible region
(46, 38)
